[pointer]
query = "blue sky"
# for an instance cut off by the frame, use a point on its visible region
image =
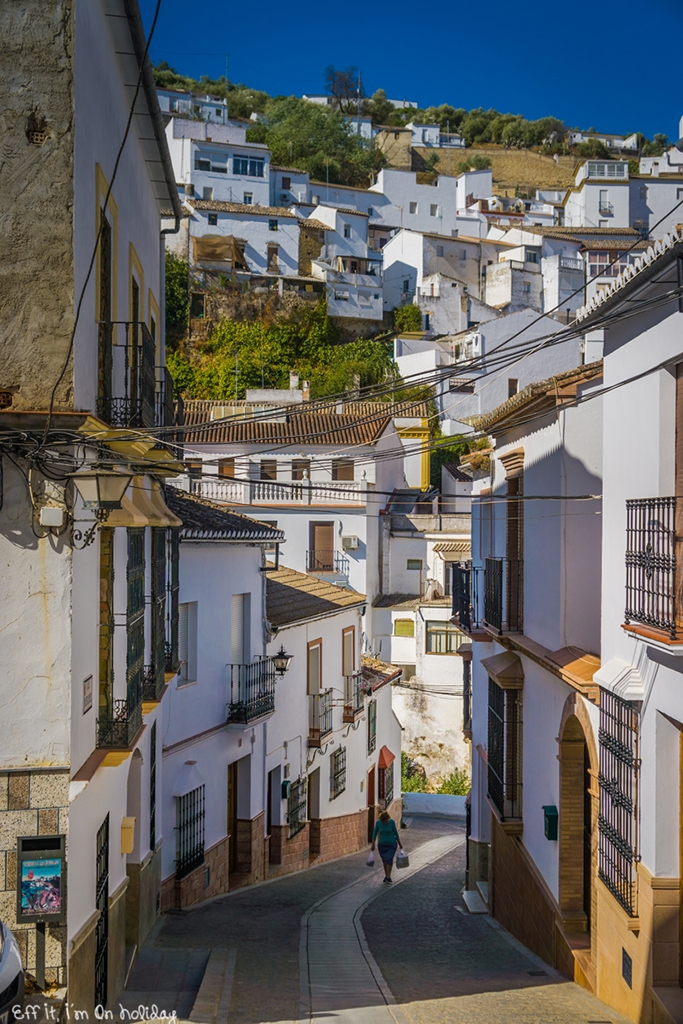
(591, 65)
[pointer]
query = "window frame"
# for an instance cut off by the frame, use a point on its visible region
(349, 631)
(343, 464)
(311, 646)
(337, 772)
(407, 622)
(438, 627)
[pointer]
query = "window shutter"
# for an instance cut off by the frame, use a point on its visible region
(237, 627)
(348, 644)
(314, 673)
(404, 627)
(183, 645)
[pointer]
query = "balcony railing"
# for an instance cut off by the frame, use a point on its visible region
(467, 696)
(252, 691)
(272, 492)
(153, 682)
(467, 594)
(651, 571)
(503, 594)
(605, 209)
(327, 561)
(567, 263)
(320, 717)
(354, 696)
(117, 729)
(127, 391)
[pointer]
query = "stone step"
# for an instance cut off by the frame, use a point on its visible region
(212, 1004)
(483, 889)
(474, 902)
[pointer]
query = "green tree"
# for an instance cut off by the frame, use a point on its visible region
(177, 299)
(658, 146)
(407, 318)
(413, 776)
(379, 108)
(593, 149)
(457, 783)
(477, 162)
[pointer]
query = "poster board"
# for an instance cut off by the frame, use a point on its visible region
(41, 879)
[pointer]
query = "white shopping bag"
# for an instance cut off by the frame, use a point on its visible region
(402, 859)
(371, 859)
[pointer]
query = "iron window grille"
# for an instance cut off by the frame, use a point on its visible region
(252, 690)
(154, 673)
(190, 831)
(153, 786)
(466, 592)
(172, 600)
(467, 695)
(505, 751)
(385, 784)
(442, 638)
(354, 694)
(337, 772)
(133, 363)
(651, 563)
(296, 807)
(372, 726)
(102, 905)
(618, 815)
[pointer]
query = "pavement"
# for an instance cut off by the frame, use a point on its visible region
(334, 945)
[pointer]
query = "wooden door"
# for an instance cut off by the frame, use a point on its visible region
(322, 546)
(232, 816)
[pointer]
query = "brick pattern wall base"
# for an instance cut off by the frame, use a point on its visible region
(185, 892)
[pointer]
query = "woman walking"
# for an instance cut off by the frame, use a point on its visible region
(386, 835)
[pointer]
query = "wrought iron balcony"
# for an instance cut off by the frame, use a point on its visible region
(153, 682)
(327, 561)
(118, 729)
(127, 390)
(252, 691)
(467, 594)
(354, 697)
(605, 209)
(503, 594)
(320, 717)
(651, 570)
(467, 697)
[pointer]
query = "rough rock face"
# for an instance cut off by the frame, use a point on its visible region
(36, 200)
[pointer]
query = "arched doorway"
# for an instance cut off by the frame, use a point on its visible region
(578, 820)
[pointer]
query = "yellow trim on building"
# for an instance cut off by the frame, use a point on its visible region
(422, 433)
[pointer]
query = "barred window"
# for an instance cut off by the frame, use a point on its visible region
(158, 613)
(135, 615)
(190, 831)
(505, 750)
(386, 784)
(296, 807)
(337, 772)
(173, 592)
(372, 726)
(618, 779)
(443, 638)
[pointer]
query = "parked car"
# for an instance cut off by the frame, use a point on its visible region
(11, 975)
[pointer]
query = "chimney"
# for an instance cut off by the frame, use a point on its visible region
(306, 389)
(293, 380)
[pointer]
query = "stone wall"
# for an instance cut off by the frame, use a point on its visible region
(32, 803)
(191, 889)
(311, 241)
(36, 202)
(251, 848)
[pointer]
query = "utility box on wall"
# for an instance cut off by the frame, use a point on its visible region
(550, 817)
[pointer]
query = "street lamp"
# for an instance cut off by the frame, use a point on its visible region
(101, 489)
(282, 661)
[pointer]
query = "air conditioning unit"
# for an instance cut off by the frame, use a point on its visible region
(350, 543)
(284, 196)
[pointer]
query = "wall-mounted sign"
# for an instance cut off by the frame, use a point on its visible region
(87, 694)
(41, 879)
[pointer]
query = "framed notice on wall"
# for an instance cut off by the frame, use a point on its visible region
(87, 694)
(41, 879)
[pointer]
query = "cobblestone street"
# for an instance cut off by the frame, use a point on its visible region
(335, 945)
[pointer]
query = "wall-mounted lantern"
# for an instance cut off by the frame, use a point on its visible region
(282, 661)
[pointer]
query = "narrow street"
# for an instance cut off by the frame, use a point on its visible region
(335, 945)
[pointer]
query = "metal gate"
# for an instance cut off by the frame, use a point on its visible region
(102, 904)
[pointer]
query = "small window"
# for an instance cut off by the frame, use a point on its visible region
(348, 651)
(413, 207)
(256, 168)
(272, 225)
(268, 469)
(443, 638)
(207, 193)
(463, 254)
(371, 212)
(301, 469)
(194, 470)
(213, 219)
(187, 641)
(343, 469)
(240, 165)
(414, 563)
(226, 468)
(406, 287)
(347, 231)
(433, 210)
(513, 386)
(526, 287)
(273, 265)
(439, 250)
(603, 224)
(404, 627)
(286, 184)
(248, 198)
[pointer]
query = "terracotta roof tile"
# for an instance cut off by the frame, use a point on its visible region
(205, 520)
(285, 427)
(248, 209)
(295, 597)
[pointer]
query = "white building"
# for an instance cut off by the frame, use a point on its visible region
(616, 142)
(353, 277)
(600, 197)
(430, 135)
(215, 161)
(530, 602)
(180, 103)
(82, 617)
(289, 185)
